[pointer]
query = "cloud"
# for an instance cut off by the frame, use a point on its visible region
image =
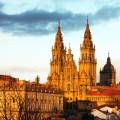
(40, 22)
(107, 13)
(31, 22)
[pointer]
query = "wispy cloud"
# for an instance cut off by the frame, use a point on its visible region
(39, 22)
(107, 13)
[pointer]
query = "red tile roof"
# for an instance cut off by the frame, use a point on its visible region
(6, 77)
(104, 90)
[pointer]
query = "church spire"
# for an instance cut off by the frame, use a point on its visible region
(59, 29)
(87, 36)
(87, 33)
(59, 40)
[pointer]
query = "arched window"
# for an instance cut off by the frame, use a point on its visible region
(82, 56)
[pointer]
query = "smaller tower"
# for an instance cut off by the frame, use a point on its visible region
(108, 74)
(70, 71)
(37, 79)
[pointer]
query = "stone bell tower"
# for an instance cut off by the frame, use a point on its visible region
(87, 61)
(58, 53)
(57, 62)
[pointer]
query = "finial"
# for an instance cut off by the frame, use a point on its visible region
(108, 59)
(58, 21)
(69, 50)
(87, 19)
(37, 79)
(59, 29)
(108, 54)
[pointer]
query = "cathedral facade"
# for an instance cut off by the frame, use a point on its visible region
(80, 84)
(63, 69)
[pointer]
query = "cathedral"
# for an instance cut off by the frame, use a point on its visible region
(80, 84)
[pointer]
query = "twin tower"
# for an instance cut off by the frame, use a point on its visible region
(64, 74)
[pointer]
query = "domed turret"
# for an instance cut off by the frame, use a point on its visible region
(37, 79)
(108, 67)
(108, 74)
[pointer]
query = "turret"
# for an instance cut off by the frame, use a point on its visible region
(37, 80)
(108, 74)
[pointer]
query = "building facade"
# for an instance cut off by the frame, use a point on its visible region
(21, 100)
(63, 69)
(80, 84)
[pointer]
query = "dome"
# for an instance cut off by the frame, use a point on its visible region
(108, 74)
(108, 67)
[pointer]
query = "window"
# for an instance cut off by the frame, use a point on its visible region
(82, 56)
(68, 87)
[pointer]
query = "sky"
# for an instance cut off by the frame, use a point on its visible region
(28, 28)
